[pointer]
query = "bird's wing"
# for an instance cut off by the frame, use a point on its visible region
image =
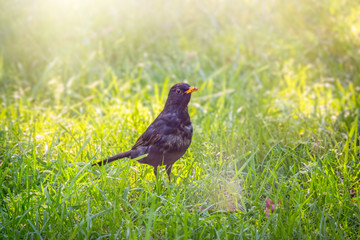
(147, 139)
(153, 134)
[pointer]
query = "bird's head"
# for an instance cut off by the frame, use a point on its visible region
(179, 95)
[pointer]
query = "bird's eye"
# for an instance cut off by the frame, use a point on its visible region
(178, 91)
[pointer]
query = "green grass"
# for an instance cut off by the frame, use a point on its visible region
(277, 115)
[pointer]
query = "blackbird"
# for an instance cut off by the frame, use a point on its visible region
(168, 137)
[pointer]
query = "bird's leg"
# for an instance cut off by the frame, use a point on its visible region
(155, 170)
(168, 171)
(157, 182)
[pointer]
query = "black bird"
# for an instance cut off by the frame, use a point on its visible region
(168, 137)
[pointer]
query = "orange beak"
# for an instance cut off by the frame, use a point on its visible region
(191, 89)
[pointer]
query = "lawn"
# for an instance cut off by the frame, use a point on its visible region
(277, 116)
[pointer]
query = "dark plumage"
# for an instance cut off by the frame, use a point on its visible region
(168, 137)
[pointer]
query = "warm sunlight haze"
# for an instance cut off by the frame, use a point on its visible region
(274, 150)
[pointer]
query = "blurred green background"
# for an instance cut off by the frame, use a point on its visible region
(276, 116)
(47, 44)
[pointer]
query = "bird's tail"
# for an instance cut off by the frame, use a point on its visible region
(113, 158)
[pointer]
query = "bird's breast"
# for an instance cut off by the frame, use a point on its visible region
(180, 139)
